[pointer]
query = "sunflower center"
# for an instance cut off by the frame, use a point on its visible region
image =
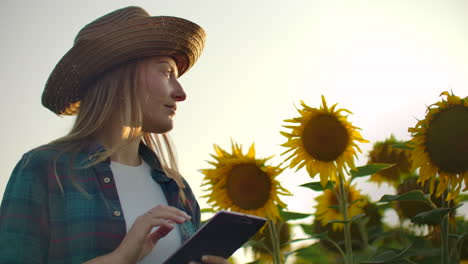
(325, 138)
(248, 186)
(447, 139)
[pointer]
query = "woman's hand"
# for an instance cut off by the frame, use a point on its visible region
(139, 240)
(207, 259)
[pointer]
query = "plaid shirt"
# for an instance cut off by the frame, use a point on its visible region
(40, 224)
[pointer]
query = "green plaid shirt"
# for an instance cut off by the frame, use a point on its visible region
(40, 224)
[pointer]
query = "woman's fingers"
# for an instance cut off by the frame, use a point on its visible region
(169, 213)
(161, 232)
(139, 240)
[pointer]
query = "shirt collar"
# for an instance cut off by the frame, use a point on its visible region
(146, 154)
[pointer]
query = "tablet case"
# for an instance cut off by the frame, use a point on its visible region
(221, 236)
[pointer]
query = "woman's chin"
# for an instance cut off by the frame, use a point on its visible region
(159, 128)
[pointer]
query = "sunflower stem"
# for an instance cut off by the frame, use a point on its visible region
(444, 234)
(347, 225)
(277, 259)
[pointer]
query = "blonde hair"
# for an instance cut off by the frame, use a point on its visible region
(116, 88)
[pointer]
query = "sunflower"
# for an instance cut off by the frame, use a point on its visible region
(327, 206)
(323, 141)
(284, 232)
(385, 152)
(243, 183)
(440, 143)
(372, 226)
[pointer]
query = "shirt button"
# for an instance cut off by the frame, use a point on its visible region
(117, 213)
(107, 179)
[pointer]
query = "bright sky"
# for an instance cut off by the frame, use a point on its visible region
(383, 60)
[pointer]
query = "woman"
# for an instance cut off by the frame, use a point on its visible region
(109, 191)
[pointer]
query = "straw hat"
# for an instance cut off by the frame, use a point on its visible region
(123, 35)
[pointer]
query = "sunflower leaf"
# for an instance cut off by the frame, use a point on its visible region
(317, 186)
(317, 236)
(369, 169)
(434, 216)
(389, 256)
(415, 195)
(402, 145)
(286, 216)
(336, 207)
(418, 247)
(207, 210)
(311, 254)
(463, 197)
(308, 229)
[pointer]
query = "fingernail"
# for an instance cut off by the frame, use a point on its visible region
(180, 218)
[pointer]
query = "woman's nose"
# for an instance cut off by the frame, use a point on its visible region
(179, 94)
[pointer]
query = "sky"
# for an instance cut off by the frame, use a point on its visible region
(383, 60)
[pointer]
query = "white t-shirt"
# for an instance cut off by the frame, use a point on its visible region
(138, 193)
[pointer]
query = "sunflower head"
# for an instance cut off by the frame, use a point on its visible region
(243, 183)
(327, 206)
(322, 140)
(373, 225)
(440, 144)
(385, 152)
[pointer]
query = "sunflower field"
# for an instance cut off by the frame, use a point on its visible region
(428, 173)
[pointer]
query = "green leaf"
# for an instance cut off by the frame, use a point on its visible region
(434, 216)
(317, 186)
(415, 195)
(336, 207)
(312, 254)
(286, 216)
(369, 169)
(463, 197)
(317, 236)
(353, 219)
(402, 145)
(207, 210)
(308, 229)
(388, 256)
(384, 206)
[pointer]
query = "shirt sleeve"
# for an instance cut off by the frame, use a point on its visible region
(24, 227)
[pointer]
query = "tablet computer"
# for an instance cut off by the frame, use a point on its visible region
(220, 236)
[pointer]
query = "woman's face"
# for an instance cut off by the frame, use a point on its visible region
(160, 92)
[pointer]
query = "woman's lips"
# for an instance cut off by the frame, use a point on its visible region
(172, 109)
